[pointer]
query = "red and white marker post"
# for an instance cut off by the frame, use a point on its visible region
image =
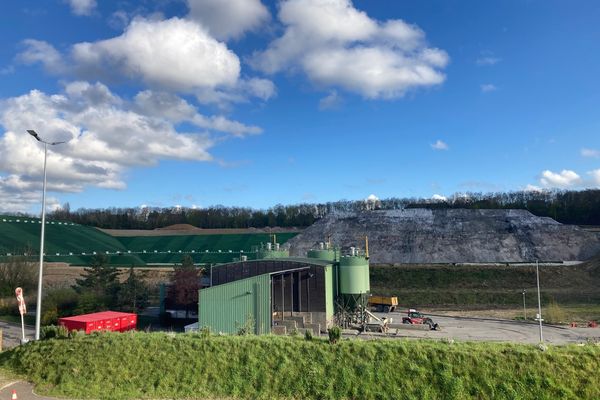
(22, 309)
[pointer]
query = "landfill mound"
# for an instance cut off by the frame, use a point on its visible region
(451, 236)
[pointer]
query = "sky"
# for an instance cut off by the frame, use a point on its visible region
(255, 103)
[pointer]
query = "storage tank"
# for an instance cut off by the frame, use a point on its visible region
(271, 250)
(354, 275)
(354, 281)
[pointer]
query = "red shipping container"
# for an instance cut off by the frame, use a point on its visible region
(105, 320)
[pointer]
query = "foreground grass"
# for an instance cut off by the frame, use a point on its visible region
(159, 365)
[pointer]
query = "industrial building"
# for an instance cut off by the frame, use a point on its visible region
(274, 291)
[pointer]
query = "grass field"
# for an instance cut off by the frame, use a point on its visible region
(487, 285)
(62, 239)
(159, 365)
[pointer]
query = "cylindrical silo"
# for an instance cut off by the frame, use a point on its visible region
(354, 280)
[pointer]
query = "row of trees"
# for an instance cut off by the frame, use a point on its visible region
(572, 207)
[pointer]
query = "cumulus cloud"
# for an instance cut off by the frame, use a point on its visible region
(592, 153)
(439, 145)
(228, 19)
(595, 177)
(107, 136)
(337, 45)
(564, 179)
(439, 197)
(175, 54)
(488, 87)
(82, 7)
(38, 51)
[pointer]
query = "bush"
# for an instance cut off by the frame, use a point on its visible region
(335, 333)
(247, 328)
(555, 314)
(308, 335)
(54, 332)
(204, 332)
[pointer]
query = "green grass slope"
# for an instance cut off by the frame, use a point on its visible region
(485, 285)
(62, 239)
(161, 365)
(19, 234)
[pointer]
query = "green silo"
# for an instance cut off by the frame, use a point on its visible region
(323, 254)
(354, 280)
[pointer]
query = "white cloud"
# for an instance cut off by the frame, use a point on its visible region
(488, 87)
(107, 136)
(176, 110)
(590, 153)
(337, 45)
(372, 197)
(595, 174)
(173, 54)
(228, 19)
(38, 51)
(564, 179)
(533, 188)
(82, 7)
(439, 197)
(487, 59)
(439, 145)
(331, 101)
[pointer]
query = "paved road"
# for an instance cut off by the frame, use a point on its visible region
(11, 334)
(24, 391)
(478, 329)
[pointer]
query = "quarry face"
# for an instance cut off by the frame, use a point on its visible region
(451, 236)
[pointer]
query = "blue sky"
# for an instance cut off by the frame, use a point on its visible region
(250, 103)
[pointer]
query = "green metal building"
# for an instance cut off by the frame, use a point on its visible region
(276, 289)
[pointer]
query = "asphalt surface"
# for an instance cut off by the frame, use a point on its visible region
(495, 330)
(11, 334)
(24, 391)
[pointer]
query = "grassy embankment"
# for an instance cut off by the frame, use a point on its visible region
(62, 239)
(159, 365)
(575, 288)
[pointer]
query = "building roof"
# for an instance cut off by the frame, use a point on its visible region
(97, 316)
(303, 260)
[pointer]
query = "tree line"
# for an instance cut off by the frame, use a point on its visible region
(570, 207)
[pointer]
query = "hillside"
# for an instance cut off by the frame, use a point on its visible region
(452, 236)
(166, 365)
(76, 244)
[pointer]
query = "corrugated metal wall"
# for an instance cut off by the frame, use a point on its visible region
(225, 308)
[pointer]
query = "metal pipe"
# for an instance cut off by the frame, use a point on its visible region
(524, 308)
(38, 306)
(537, 269)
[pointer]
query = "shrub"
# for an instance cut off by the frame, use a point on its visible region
(53, 331)
(335, 333)
(555, 314)
(308, 335)
(204, 332)
(247, 328)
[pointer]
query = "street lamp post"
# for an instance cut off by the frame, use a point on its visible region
(38, 308)
(537, 272)
(524, 308)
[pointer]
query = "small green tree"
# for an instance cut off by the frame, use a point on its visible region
(100, 280)
(17, 271)
(133, 293)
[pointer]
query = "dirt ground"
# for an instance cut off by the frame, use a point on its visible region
(59, 275)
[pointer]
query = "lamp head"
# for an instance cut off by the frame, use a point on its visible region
(34, 134)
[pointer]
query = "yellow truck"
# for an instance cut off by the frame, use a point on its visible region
(383, 303)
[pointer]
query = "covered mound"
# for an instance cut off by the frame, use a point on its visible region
(452, 236)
